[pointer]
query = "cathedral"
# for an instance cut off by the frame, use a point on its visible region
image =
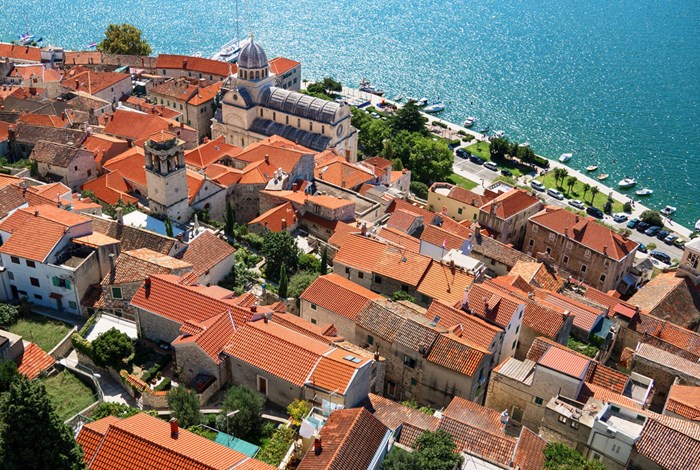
(254, 107)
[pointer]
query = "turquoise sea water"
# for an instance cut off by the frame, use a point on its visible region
(614, 82)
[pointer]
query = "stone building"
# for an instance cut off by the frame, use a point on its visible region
(166, 176)
(253, 108)
(193, 98)
(506, 216)
(67, 164)
(456, 202)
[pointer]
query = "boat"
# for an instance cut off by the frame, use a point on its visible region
(524, 145)
(435, 107)
(421, 102)
(602, 176)
(229, 51)
(697, 226)
(565, 157)
(469, 122)
(644, 192)
(367, 87)
(626, 182)
(398, 98)
(485, 130)
(592, 167)
(26, 39)
(499, 134)
(668, 210)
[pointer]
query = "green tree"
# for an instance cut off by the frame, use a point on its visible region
(112, 348)
(419, 189)
(184, 405)
(608, 207)
(402, 144)
(376, 135)
(594, 193)
(229, 219)
(408, 118)
(652, 217)
(169, 227)
(277, 448)
(401, 295)
(124, 39)
(308, 262)
(9, 314)
(89, 195)
(27, 415)
(559, 175)
(284, 282)
(8, 374)
(499, 147)
(570, 182)
(298, 409)
(324, 261)
(279, 248)
(433, 451)
(558, 456)
(299, 282)
(248, 404)
(399, 459)
(627, 207)
(119, 410)
(430, 161)
(586, 188)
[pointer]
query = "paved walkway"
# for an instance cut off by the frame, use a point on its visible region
(112, 392)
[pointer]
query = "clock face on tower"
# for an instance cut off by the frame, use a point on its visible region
(340, 130)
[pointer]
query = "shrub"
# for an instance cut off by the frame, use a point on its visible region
(308, 262)
(652, 217)
(419, 189)
(163, 385)
(88, 325)
(299, 282)
(277, 448)
(119, 410)
(184, 405)
(82, 345)
(298, 409)
(401, 295)
(454, 143)
(254, 240)
(247, 421)
(9, 314)
(627, 207)
(651, 246)
(558, 456)
(607, 208)
(461, 132)
(440, 124)
(112, 348)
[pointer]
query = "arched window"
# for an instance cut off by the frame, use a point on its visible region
(274, 116)
(261, 112)
(323, 129)
(257, 74)
(287, 119)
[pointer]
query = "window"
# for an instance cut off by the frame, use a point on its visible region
(534, 229)
(347, 270)
(602, 278)
(615, 409)
(10, 275)
(370, 340)
(59, 282)
(552, 237)
(548, 250)
(72, 304)
(566, 260)
(531, 242)
(562, 419)
(14, 259)
(569, 245)
(361, 275)
(116, 292)
(313, 306)
(391, 389)
(404, 287)
(574, 424)
(515, 343)
(517, 328)
(76, 168)
(34, 281)
(537, 400)
(409, 361)
(583, 268)
(286, 119)
(261, 112)
(414, 382)
(596, 456)
(587, 254)
(89, 172)
(274, 116)
(313, 320)
(262, 385)
(616, 448)
(694, 260)
(378, 279)
(459, 211)
(38, 297)
(31, 264)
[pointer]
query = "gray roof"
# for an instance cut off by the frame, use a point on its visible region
(299, 104)
(31, 134)
(57, 154)
(309, 140)
(518, 370)
(252, 56)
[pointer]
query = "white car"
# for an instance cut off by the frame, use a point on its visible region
(555, 194)
(619, 218)
(537, 185)
(577, 204)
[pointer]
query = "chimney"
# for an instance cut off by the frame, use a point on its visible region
(452, 266)
(566, 232)
(267, 159)
(174, 429)
(343, 183)
(284, 224)
(147, 282)
(364, 229)
(77, 83)
(11, 133)
(202, 83)
(254, 308)
(318, 445)
(605, 249)
(120, 215)
(36, 213)
(347, 155)
(376, 355)
(170, 126)
(111, 267)
(182, 125)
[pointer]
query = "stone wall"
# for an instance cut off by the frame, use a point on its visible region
(279, 392)
(191, 360)
(664, 378)
(322, 316)
(64, 346)
(155, 327)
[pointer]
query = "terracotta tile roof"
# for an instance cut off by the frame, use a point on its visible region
(508, 204)
(272, 219)
(90, 81)
(18, 52)
(684, 400)
(210, 152)
(341, 230)
(585, 231)
(130, 165)
(585, 316)
(395, 323)
(437, 236)
(47, 120)
(134, 126)
(673, 298)
(661, 443)
(667, 359)
(359, 252)
(464, 195)
(443, 283)
(195, 64)
(393, 414)
(31, 134)
(342, 173)
(141, 105)
(471, 328)
(137, 265)
(95, 240)
(33, 361)
(589, 390)
(211, 335)
(529, 453)
(339, 295)
(280, 65)
(378, 162)
(323, 333)
(538, 275)
(607, 378)
(403, 220)
(58, 155)
(565, 362)
(400, 238)
(298, 197)
(397, 204)
(110, 188)
(288, 355)
(274, 152)
(457, 354)
(475, 415)
(4, 128)
(91, 435)
(82, 57)
(205, 252)
(350, 439)
(335, 373)
(143, 441)
(492, 304)
(11, 198)
(666, 331)
(81, 204)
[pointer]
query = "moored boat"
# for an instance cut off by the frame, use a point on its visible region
(565, 157)
(668, 210)
(469, 122)
(626, 182)
(422, 102)
(697, 225)
(602, 176)
(644, 192)
(367, 87)
(499, 134)
(592, 167)
(435, 107)
(398, 98)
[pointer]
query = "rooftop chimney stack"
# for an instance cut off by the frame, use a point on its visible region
(267, 158)
(364, 229)
(174, 428)
(318, 446)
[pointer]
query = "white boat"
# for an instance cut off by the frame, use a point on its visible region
(469, 122)
(367, 87)
(229, 51)
(592, 167)
(398, 97)
(627, 182)
(499, 134)
(422, 102)
(602, 176)
(697, 225)
(565, 157)
(524, 145)
(435, 107)
(644, 192)
(668, 210)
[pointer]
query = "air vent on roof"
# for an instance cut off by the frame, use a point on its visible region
(435, 320)
(352, 359)
(216, 147)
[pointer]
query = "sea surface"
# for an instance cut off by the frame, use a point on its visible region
(614, 82)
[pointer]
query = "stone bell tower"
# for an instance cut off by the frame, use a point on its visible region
(166, 176)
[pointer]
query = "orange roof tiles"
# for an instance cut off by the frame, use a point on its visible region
(342, 173)
(492, 304)
(272, 220)
(393, 414)
(684, 400)
(195, 64)
(110, 188)
(564, 362)
(529, 453)
(537, 274)
(473, 329)
(33, 361)
(95, 240)
(298, 197)
(350, 440)
(280, 65)
(661, 444)
(130, 164)
(359, 252)
(585, 316)
(137, 265)
(333, 372)
(212, 336)
(403, 220)
(682, 338)
(670, 297)
(323, 333)
(206, 251)
(91, 435)
(400, 238)
(455, 353)
(339, 295)
(18, 52)
(90, 81)
(586, 231)
(341, 230)
(46, 120)
(508, 204)
(444, 283)
(134, 126)
(210, 152)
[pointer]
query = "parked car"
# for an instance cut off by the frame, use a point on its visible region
(506, 172)
(619, 218)
(595, 212)
(661, 256)
(652, 231)
(642, 247)
(375, 115)
(670, 239)
(662, 234)
(679, 243)
(476, 159)
(491, 166)
(577, 204)
(461, 153)
(642, 226)
(632, 223)
(555, 194)
(537, 185)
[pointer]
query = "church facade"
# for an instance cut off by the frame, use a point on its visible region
(254, 107)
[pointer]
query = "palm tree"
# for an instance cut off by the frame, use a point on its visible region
(586, 188)
(559, 175)
(594, 192)
(570, 182)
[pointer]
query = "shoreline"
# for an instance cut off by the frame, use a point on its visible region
(638, 208)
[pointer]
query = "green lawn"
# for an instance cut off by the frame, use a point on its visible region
(46, 333)
(482, 149)
(462, 181)
(68, 394)
(577, 192)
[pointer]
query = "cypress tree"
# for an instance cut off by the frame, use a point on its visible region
(324, 261)
(282, 291)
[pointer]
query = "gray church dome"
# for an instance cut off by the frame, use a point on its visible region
(252, 56)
